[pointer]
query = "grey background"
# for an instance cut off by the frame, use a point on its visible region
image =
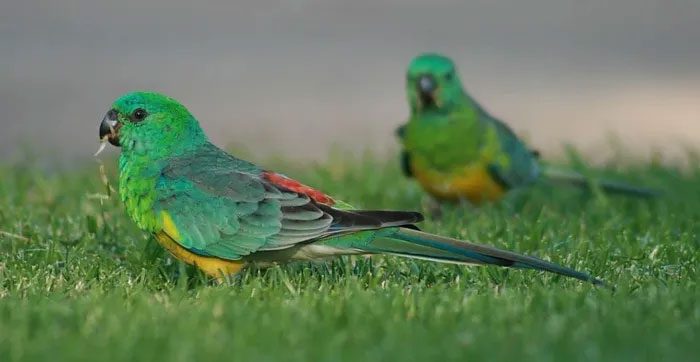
(297, 77)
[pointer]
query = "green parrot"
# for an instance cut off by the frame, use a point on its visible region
(219, 213)
(458, 151)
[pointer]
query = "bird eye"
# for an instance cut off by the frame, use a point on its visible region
(138, 115)
(449, 76)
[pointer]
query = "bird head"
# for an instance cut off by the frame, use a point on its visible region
(149, 122)
(432, 83)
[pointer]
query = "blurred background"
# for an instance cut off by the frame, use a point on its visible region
(301, 76)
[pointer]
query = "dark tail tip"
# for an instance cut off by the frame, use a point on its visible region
(630, 190)
(601, 283)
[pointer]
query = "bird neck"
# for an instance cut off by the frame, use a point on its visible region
(138, 177)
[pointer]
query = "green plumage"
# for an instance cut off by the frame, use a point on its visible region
(229, 209)
(449, 131)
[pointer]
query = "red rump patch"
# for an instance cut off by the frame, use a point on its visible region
(296, 186)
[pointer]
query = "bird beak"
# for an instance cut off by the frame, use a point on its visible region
(109, 128)
(426, 90)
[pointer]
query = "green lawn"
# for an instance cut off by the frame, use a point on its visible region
(79, 282)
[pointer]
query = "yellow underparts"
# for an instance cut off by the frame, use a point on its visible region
(212, 266)
(473, 183)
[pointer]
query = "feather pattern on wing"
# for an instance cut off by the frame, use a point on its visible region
(229, 208)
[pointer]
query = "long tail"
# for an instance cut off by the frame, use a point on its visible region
(612, 187)
(417, 244)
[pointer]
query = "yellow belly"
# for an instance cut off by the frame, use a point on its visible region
(213, 266)
(473, 183)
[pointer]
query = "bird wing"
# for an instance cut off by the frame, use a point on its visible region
(404, 156)
(522, 167)
(228, 208)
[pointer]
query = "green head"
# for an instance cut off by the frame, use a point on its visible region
(152, 124)
(432, 83)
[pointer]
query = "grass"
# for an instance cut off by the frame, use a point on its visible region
(79, 282)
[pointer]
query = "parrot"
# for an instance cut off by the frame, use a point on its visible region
(457, 151)
(220, 213)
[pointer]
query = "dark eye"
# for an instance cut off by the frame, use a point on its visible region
(449, 76)
(138, 115)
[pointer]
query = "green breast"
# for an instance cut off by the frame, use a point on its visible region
(445, 142)
(137, 189)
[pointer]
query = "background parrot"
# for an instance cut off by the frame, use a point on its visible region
(456, 150)
(218, 212)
